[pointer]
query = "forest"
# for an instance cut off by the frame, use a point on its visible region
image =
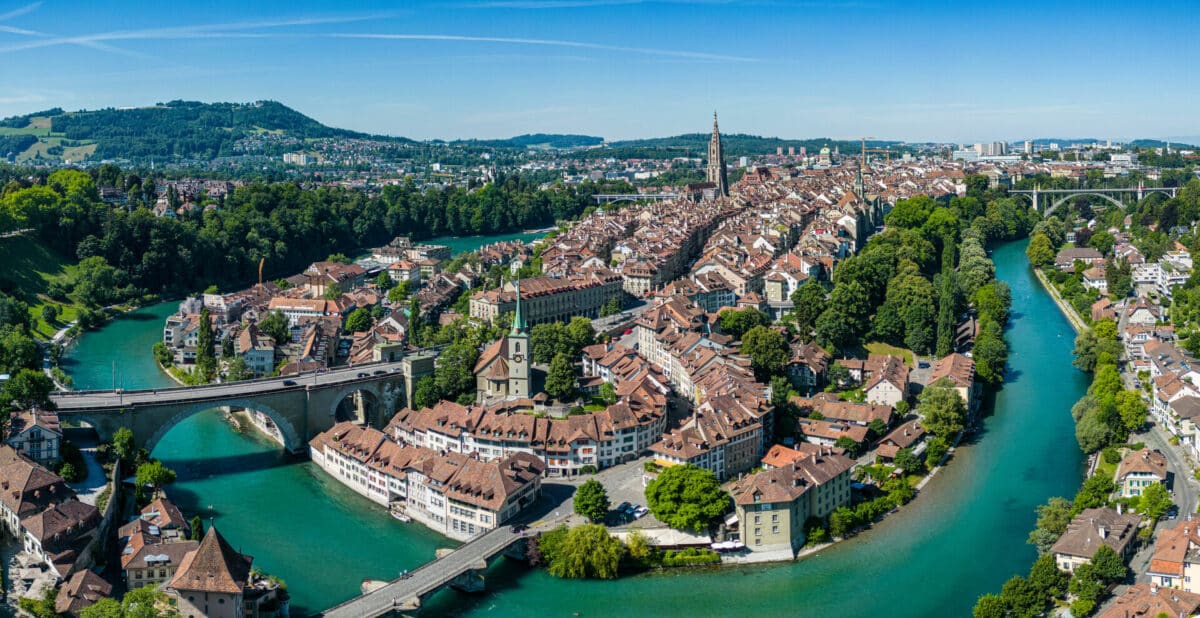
(125, 252)
(184, 129)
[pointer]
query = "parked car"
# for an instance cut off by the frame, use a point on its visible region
(289, 382)
(640, 512)
(621, 507)
(362, 374)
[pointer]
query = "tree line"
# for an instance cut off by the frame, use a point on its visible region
(127, 252)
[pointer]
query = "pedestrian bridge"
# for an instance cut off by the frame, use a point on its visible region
(460, 568)
(301, 406)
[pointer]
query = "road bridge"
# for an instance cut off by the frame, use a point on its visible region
(1058, 196)
(608, 198)
(301, 406)
(459, 568)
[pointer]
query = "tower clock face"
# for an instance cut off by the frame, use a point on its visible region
(518, 357)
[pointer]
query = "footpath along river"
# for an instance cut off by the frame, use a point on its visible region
(963, 536)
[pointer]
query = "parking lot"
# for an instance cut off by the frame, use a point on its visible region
(624, 484)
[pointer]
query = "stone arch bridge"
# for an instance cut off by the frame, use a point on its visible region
(300, 406)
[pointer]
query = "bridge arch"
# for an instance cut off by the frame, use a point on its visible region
(1062, 200)
(387, 396)
(291, 440)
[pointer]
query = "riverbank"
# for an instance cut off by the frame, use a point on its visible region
(1067, 310)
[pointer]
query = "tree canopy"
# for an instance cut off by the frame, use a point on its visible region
(686, 497)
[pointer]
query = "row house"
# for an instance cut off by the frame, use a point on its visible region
(455, 494)
(549, 299)
(601, 439)
(773, 506)
(42, 513)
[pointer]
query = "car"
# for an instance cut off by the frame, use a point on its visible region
(631, 509)
(628, 331)
(362, 374)
(518, 528)
(621, 507)
(379, 372)
(289, 382)
(923, 364)
(640, 512)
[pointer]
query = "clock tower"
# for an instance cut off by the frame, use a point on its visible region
(518, 353)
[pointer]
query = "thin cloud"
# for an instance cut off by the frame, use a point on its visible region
(28, 8)
(188, 32)
(547, 42)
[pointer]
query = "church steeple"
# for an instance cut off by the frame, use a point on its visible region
(717, 173)
(518, 324)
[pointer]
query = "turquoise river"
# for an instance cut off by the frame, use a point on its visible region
(963, 536)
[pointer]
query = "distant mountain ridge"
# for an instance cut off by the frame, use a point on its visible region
(178, 129)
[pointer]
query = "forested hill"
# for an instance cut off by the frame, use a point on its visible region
(737, 144)
(179, 129)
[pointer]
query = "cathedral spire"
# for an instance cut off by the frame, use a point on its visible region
(717, 173)
(518, 324)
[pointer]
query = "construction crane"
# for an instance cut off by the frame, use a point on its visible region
(887, 154)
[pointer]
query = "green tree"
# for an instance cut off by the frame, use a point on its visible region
(911, 463)
(560, 379)
(1132, 409)
(27, 389)
(196, 528)
(935, 451)
(1155, 501)
(17, 351)
(736, 323)
(50, 313)
(1092, 432)
(384, 281)
(237, 370)
(1040, 251)
(1108, 566)
(1046, 578)
(155, 475)
(808, 303)
(425, 393)
(591, 501)
(990, 606)
(1023, 597)
(454, 375)
(549, 340)
(1094, 493)
(1085, 584)
(768, 352)
(911, 212)
(358, 321)
(586, 552)
(1052, 520)
(123, 445)
(848, 444)
(580, 334)
(639, 547)
(400, 292)
(686, 498)
(206, 357)
(275, 326)
(942, 408)
(608, 393)
(990, 352)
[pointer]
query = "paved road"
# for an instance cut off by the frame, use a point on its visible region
(427, 578)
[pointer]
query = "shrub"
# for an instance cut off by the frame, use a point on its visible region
(1111, 455)
(691, 556)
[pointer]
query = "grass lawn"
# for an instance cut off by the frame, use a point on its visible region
(883, 348)
(29, 267)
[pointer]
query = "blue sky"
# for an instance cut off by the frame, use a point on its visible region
(955, 71)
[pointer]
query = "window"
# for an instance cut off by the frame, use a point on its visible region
(774, 529)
